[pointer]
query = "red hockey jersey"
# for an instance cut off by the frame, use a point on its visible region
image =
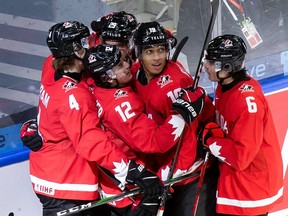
(251, 173)
(158, 96)
(72, 142)
(123, 114)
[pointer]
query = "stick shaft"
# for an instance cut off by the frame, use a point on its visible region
(214, 9)
(130, 193)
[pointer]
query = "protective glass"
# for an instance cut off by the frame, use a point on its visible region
(217, 64)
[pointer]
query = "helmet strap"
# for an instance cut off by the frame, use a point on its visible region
(221, 80)
(77, 57)
(116, 84)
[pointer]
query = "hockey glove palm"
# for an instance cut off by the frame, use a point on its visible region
(146, 180)
(29, 135)
(190, 103)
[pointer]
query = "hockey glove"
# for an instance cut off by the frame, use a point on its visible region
(147, 207)
(146, 180)
(29, 135)
(190, 103)
(211, 129)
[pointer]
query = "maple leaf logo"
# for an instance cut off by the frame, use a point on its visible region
(215, 149)
(120, 172)
(165, 172)
(177, 123)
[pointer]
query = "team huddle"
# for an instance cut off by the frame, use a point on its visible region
(116, 112)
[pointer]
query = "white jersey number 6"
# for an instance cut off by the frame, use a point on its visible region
(252, 106)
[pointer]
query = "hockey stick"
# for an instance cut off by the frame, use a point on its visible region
(179, 48)
(170, 175)
(130, 193)
(200, 183)
(179, 143)
(214, 9)
(247, 26)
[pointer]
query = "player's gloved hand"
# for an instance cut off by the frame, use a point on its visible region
(190, 103)
(147, 207)
(211, 129)
(29, 135)
(146, 180)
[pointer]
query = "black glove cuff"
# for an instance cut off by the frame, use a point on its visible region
(134, 172)
(183, 112)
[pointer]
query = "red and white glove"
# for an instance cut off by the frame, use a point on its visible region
(211, 129)
(190, 103)
(29, 135)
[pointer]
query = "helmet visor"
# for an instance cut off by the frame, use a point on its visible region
(80, 45)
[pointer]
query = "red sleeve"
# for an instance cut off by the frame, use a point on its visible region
(244, 131)
(208, 113)
(126, 119)
(80, 121)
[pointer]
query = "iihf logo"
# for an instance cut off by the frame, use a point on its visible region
(164, 80)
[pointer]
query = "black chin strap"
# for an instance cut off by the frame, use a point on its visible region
(78, 58)
(221, 80)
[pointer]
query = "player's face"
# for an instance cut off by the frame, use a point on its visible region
(213, 69)
(122, 72)
(153, 59)
(210, 70)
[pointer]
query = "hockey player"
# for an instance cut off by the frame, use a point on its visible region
(158, 83)
(63, 171)
(122, 113)
(251, 179)
(116, 29)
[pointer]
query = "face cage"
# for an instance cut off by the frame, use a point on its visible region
(218, 66)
